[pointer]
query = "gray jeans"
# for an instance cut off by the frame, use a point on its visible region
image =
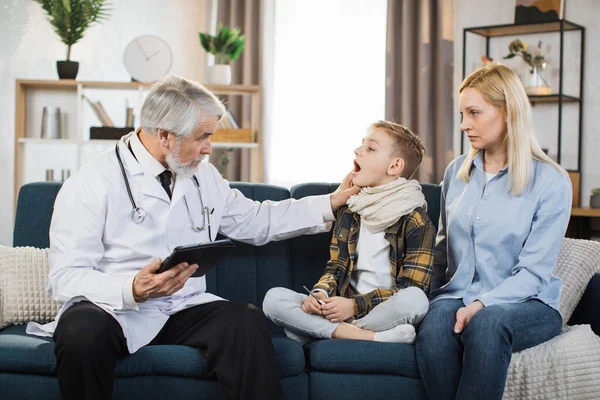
(282, 306)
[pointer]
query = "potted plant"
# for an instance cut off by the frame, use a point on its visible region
(537, 84)
(595, 198)
(70, 19)
(226, 45)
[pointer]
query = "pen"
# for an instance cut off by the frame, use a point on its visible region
(313, 295)
(208, 214)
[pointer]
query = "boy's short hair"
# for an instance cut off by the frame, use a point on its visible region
(408, 145)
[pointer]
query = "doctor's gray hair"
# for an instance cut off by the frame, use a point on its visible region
(178, 105)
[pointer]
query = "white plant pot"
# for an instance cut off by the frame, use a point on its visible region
(218, 74)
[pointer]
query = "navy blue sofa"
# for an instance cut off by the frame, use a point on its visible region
(325, 369)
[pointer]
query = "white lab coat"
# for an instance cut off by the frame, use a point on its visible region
(95, 246)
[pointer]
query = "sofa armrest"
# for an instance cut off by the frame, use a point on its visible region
(587, 309)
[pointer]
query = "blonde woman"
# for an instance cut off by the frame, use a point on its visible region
(505, 209)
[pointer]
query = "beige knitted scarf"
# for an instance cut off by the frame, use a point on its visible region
(382, 206)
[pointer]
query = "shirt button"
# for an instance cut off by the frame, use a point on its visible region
(487, 194)
(478, 218)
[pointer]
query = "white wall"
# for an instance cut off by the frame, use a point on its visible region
(470, 13)
(29, 49)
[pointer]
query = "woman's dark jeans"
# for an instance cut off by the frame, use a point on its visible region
(474, 364)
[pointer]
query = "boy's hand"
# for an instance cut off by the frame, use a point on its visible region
(464, 315)
(341, 195)
(311, 305)
(338, 309)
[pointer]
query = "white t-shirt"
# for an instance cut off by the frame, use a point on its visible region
(372, 270)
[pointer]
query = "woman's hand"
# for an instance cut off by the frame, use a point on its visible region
(311, 305)
(338, 309)
(464, 315)
(341, 195)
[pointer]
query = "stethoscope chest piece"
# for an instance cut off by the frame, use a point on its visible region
(138, 215)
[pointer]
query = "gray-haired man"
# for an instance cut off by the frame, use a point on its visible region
(114, 220)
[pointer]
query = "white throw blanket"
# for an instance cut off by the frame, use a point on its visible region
(382, 206)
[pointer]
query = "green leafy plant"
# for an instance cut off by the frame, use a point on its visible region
(227, 44)
(596, 191)
(519, 48)
(224, 161)
(71, 18)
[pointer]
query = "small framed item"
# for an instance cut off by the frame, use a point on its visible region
(537, 11)
(205, 255)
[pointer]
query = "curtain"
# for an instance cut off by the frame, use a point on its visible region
(245, 15)
(419, 67)
(323, 86)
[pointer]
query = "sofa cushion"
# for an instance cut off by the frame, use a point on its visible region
(248, 272)
(23, 296)
(565, 367)
(34, 211)
(578, 261)
(27, 354)
(360, 356)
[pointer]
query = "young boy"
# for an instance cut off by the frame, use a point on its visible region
(375, 285)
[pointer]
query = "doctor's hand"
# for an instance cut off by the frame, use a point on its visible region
(464, 315)
(148, 284)
(338, 309)
(341, 195)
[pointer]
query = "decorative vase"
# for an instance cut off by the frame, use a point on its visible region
(595, 201)
(67, 69)
(218, 74)
(536, 84)
(51, 127)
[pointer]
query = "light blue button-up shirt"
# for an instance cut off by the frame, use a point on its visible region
(496, 247)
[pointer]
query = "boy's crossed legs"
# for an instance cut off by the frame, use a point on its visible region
(391, 321)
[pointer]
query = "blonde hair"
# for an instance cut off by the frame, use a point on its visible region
(501, 87)
(408, 145)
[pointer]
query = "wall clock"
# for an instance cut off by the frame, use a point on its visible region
(147, 58)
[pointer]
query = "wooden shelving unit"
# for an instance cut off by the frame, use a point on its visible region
(585, 212)
(73, 90)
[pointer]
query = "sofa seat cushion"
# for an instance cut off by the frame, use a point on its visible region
(359, 356)
(28, 354)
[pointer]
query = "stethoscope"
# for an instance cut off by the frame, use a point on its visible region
(139, 214)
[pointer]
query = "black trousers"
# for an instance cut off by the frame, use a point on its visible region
(233, 337)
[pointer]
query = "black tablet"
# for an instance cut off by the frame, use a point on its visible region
(205, 255)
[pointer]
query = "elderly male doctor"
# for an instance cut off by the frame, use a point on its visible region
(109, 233)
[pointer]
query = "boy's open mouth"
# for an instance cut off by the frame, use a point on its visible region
(356, 167)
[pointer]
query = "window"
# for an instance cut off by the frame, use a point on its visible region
(328, 86)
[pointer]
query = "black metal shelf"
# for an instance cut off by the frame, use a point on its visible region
(524, 29)
(559, 27)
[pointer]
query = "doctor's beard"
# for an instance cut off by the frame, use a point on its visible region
(175, 164)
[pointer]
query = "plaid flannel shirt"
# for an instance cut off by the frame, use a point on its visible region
(411, 239)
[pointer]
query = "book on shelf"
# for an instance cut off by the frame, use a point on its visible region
(129, 119)
(100, 112)
(228, 121)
